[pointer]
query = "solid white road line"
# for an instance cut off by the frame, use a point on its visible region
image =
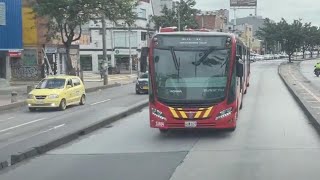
(37, 134)
(100, 102)
(21, 125)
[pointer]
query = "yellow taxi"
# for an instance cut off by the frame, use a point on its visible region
(57, 92)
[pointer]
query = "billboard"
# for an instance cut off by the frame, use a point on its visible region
(240, 3)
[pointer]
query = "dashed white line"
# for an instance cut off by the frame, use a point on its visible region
(7, 119)
(20, 125)
(37, 134)
(100, 102)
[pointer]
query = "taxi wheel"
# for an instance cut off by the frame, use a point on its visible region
(63, 105)
(32, 109)
(83, 100)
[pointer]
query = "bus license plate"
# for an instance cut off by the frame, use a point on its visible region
(190, 124)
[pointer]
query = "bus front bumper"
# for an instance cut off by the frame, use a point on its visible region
(225, 123)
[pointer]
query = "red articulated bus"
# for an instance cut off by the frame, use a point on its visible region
(197, 79)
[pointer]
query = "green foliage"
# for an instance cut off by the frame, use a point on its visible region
(184, 11)
(66, 16)
(292, 36)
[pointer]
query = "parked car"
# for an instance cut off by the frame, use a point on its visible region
(57, 92)
(142, 85)
(259, 57)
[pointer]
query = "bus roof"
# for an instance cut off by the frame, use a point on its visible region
(197, 33)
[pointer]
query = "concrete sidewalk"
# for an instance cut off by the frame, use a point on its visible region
(93, 84)
(305, 93)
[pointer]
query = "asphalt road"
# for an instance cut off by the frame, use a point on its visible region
(307, 68)
(274, 140)
(21, 129)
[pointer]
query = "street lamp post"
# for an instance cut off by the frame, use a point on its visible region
(104, 47)
(130, 58)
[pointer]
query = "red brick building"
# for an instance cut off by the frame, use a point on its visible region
(212, 20)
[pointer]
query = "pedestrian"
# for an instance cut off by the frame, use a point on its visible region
(102, 70)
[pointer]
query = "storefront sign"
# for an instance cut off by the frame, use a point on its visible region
(51, 50)
(14, 53)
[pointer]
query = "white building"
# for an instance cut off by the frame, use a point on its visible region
(118, 40)
(159, 4)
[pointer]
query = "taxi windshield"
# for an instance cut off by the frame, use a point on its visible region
(51, 84)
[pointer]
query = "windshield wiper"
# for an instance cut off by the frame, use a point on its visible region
(206, 54)
(175, 60)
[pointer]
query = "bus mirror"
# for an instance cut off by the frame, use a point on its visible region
(239, 69)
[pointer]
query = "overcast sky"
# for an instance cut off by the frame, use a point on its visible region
(307, 10)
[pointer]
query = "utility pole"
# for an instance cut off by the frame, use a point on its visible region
(130, 58)
(104, 47)
(179, 18)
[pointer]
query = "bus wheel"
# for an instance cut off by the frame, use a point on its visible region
(231, 129)
(164, 131)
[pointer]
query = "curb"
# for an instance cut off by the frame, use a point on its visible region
(13, 105)
(304, 108)
(16, 158)
(88, 90)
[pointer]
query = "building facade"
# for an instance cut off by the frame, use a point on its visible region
(10, 35)
(255, 21)
(213, 20)
(158, 5)
(121, 41)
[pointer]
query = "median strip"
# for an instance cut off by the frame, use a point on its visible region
(41, 149)
(295, 81)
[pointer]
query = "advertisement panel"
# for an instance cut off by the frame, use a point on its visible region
(240, 3)
(30, 35)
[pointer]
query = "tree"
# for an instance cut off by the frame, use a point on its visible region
(184, 11)
(65, 17)
(169, 18)
(290, 36)
(306, 41)
(187, 13)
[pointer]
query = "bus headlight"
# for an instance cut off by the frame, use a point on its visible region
(158, 113)
(224, 113)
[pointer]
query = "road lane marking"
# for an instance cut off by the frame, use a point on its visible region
(306, 89)
(59, 126)
(34, 135)
(7, 119)
(21, 125)
(100, 102)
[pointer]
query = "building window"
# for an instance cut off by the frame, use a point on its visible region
(86, 62)
(143, 36)
(142, 13)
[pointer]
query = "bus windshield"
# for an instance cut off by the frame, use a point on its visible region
(194, 74)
